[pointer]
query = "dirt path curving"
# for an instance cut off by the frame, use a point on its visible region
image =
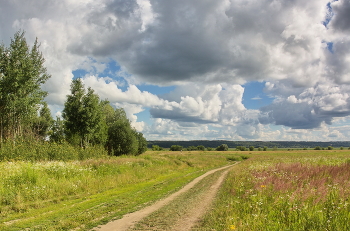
(129, 220)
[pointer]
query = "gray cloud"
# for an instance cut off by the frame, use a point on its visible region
(204, 47)
(341, 10)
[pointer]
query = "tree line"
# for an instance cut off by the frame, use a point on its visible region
(86, 119)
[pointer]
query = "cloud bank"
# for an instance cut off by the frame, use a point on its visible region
(207, 50)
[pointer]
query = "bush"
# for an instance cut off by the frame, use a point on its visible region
(191, 148)
(201, 147)
(330, 148)
(317, 148)
(251, 148)
(222, 147)
(265, 148)
(209, 149)
(176, 148)
(241, 148)
(156, 148)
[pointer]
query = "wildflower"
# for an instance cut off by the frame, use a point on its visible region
(232, 227)
(263, 186)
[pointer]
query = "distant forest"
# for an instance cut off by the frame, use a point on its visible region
(256, 144)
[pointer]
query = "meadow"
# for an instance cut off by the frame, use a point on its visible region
(80, 194)
(271, 190)
(285, 190)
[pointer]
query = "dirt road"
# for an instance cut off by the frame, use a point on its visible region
(192, 216)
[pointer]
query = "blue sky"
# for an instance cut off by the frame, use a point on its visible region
(194, 69)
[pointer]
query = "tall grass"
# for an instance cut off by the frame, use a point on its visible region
(285, 191)
(32, 150)
(27, 186)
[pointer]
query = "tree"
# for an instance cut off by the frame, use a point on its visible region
(84, 118)
(22, 73)
(43, 123)
(251, 148)
(57, 134)
(201, 147)
(121, 136)
(73, 113)
(176, 148)
(155, 148)
(222, 147)
(142, 142)
(94, 120)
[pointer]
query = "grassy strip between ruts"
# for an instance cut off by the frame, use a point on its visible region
(81, 195)
(179, 209)
(301, 190)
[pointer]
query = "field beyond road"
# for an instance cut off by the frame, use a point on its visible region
(272, 190)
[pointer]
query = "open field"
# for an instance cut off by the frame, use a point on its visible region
(272, 190)
(57, 195)
(300, 190)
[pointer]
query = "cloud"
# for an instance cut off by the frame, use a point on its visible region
(308, 108)
(207, 50)
(341, 11)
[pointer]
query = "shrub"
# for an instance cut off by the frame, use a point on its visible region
(222, 147)
(156, 148)
(176, 148)
(201, 147)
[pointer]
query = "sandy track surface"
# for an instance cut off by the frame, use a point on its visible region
(130, 219)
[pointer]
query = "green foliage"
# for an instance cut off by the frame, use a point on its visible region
(43, 123)
(210, 149)
(84, 119)
(330, 148)
(142, 142)
(176, 148)
(241, 148)
(34, 150)
(21, 75)
(121, 136)
(222, 147)
(265, 148)
(200, 148)
(317, 148)
(73, 114)
(251, 148)
(156, 148)
(57, 134)
(191, 148)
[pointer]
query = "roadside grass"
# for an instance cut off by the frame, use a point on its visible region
(285, 190)
(65, 195)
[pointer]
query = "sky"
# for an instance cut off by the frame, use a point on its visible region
(199, 69)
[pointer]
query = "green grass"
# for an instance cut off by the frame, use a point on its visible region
(285, 190)
(64, 195)
(178, 209)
